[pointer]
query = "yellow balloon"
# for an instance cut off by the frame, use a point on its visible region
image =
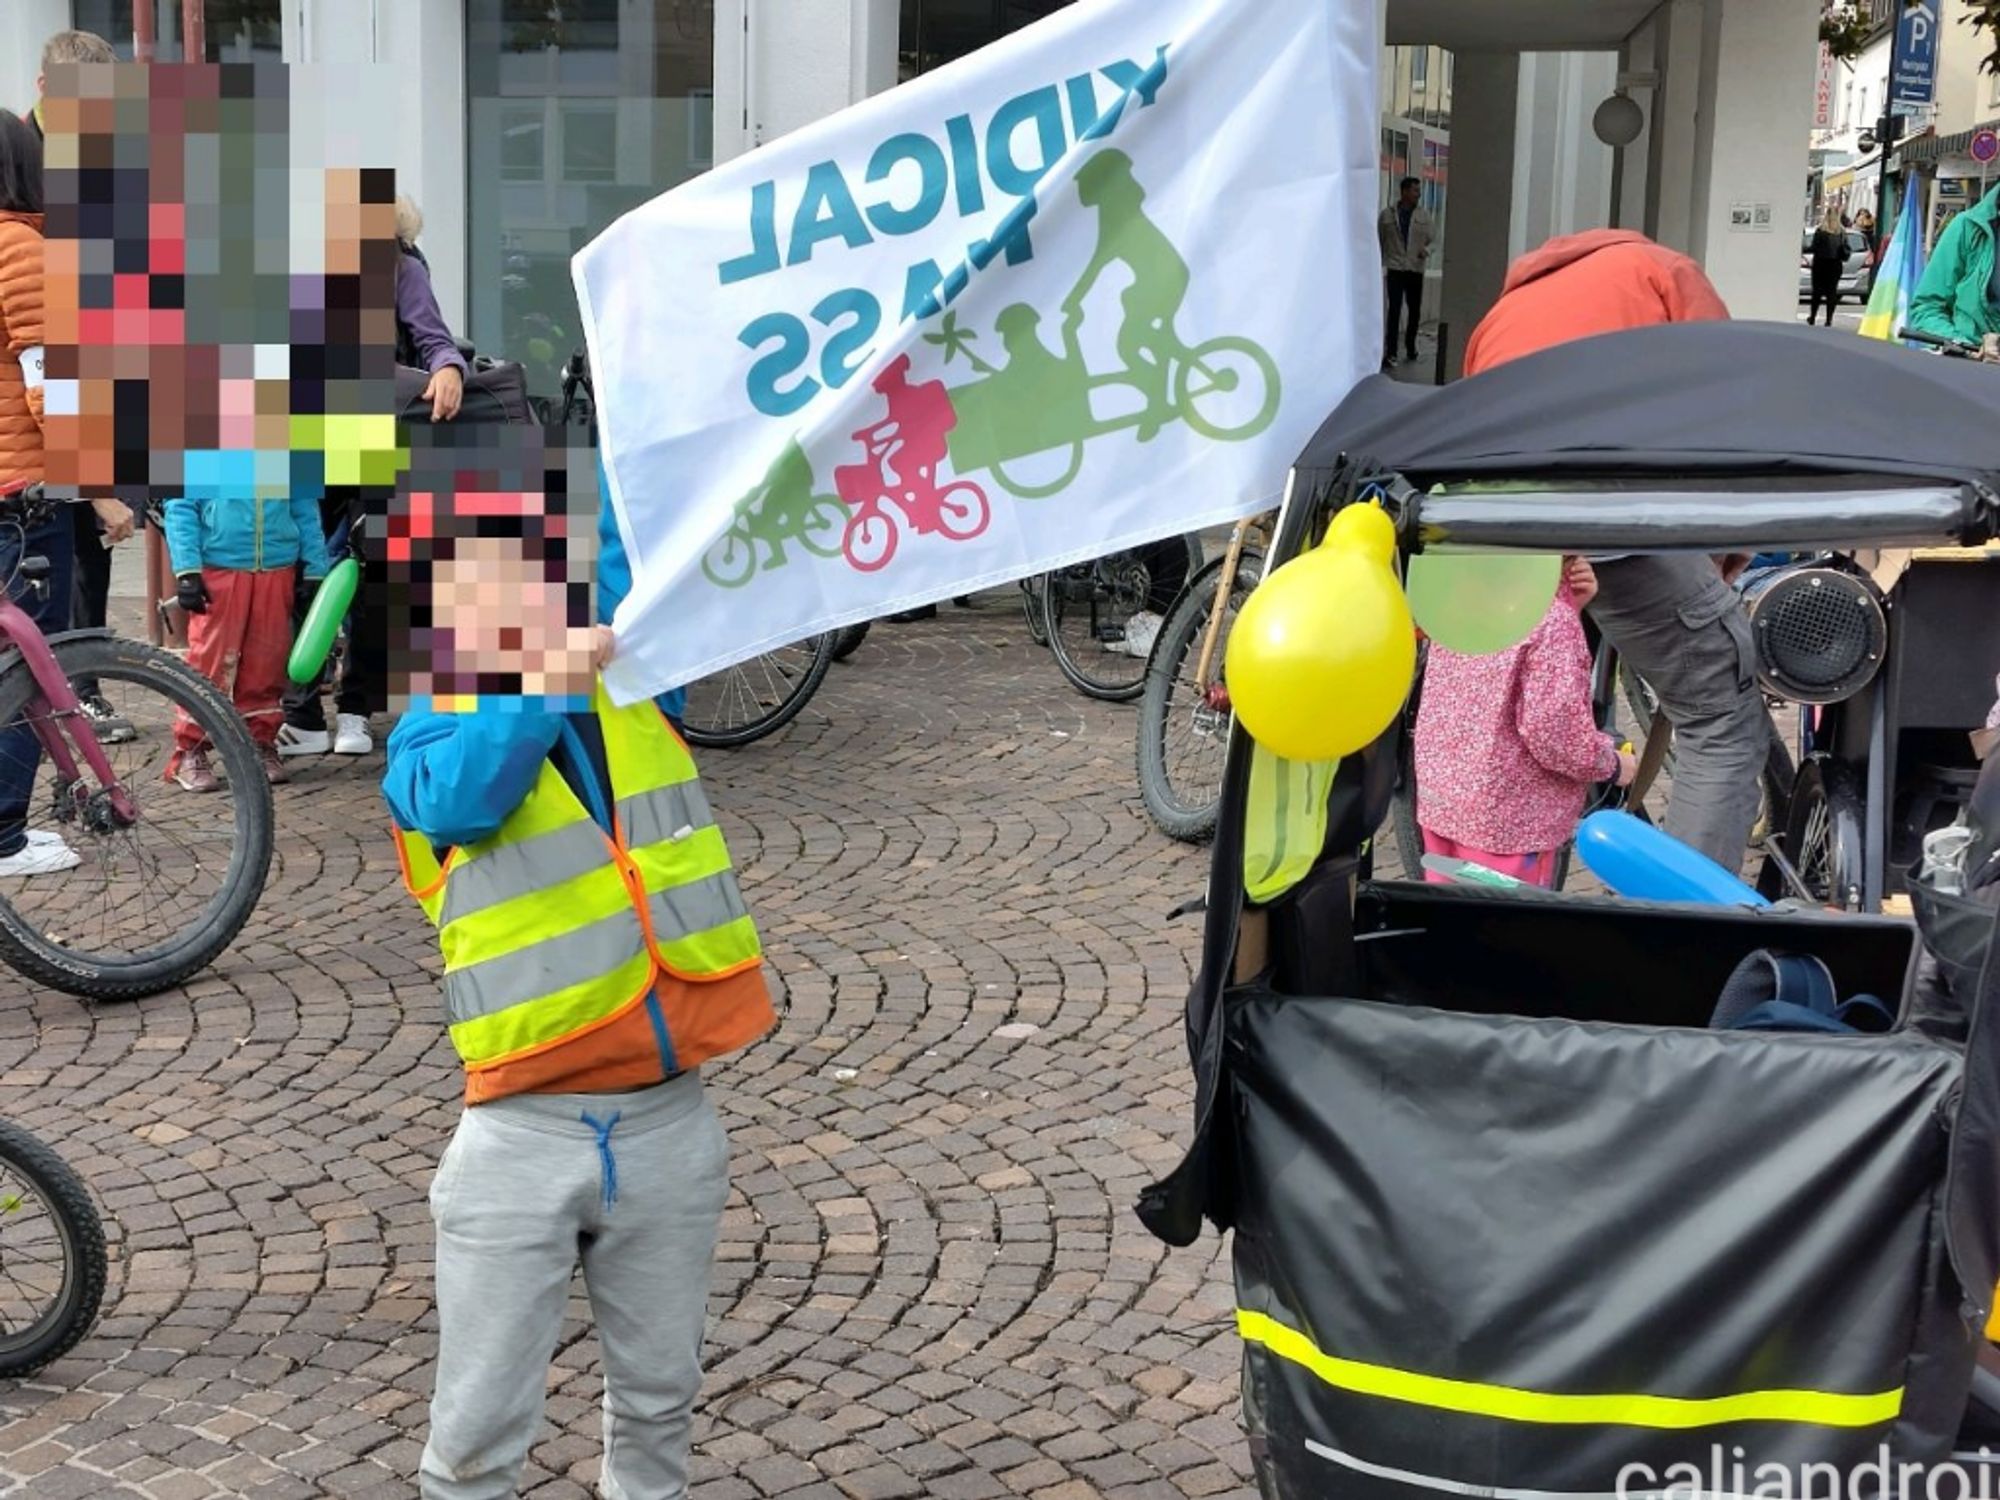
(1320, 661)
(1366, 529)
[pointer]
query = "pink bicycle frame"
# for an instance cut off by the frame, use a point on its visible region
(18, 629)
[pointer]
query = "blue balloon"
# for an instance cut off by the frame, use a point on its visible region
(1635, 859)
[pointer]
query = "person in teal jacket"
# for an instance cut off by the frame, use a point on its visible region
(1959, 297)
(237, 535)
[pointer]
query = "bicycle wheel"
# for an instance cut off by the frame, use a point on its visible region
(1227, 389)
(1183, 738)
(757, 697)
(151, 901)
(731, 561)
(847, 640)
(1032, 607)
(963, 511)
(824, 526)
(51, 1255)
(1037, 477)
(1089, 608)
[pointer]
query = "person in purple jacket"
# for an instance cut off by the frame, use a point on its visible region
(423, 342)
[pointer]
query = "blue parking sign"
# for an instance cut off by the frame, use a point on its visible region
(1913, 73)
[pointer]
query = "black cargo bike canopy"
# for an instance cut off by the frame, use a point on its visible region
(1687, 401)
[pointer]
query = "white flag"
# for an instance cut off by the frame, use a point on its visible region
(1093, 285)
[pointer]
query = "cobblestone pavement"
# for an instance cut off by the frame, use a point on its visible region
(930, 1280)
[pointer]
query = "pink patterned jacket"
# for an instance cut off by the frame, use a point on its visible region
(1506, 748)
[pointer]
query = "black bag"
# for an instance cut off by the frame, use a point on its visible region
(495, 391)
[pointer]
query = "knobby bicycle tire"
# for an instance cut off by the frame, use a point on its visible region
(847, 640)
(63, 966)
(81, 1232)
(1182, 812)
(778, 715)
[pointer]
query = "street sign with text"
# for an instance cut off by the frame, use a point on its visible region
(1913, 71)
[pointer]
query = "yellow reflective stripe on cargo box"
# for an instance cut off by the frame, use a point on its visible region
(1817, 1408)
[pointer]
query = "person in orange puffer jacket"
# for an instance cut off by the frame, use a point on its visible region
(25, 851)
(1674, 618)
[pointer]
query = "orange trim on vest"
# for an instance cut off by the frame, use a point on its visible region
(635, 885)
(403, 863)
(568, 1036)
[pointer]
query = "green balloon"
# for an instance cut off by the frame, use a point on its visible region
(322, 621)
(1477, 603)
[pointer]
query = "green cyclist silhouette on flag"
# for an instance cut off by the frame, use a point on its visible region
(1027, 420)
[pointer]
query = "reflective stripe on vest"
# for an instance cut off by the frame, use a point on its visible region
(552, 926)
(1284, 826)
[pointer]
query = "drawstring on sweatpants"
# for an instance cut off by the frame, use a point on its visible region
(604, 1129)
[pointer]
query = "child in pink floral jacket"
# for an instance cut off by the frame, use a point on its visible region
(1506, 745)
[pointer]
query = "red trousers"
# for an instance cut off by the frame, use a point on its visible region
(241, 645)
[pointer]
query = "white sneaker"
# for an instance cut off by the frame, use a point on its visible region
(39, 857)
(295, 741)
(351, 736)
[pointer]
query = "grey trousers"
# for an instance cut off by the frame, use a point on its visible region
(632, 1185)
(1683, 629)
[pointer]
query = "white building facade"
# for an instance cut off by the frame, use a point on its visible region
(523, 127)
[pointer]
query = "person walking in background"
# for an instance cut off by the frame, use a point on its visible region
(1674, 618)
(26, 851)
(1830, 251)
(1507, 745)
(1405, 231)
(90, 603)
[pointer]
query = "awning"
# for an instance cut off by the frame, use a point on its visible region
(1932, 147)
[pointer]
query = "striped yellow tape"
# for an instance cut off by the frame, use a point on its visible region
(1474, 1398)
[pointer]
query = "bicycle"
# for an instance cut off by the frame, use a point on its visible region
(52, 1243)
(164, 880)
(959, 511)
(1184, 712)
(753, 699)
(1092, 613)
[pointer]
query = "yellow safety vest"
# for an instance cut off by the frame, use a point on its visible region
(1284, 822)
(551, 927)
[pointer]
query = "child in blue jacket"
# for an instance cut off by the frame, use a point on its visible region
(236, 539)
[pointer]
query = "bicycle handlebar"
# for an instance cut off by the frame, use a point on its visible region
(1951, 348)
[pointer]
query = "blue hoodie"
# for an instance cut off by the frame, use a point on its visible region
(248, 511)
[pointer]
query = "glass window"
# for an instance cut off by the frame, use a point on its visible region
(935, 32)
(577, 110)
(233, 30)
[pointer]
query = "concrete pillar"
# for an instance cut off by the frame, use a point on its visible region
(780, 64)
(1755, 131)
(1562, 173)
(29, 23)
(1672, 140)
(1631, 167)
(1485, 106)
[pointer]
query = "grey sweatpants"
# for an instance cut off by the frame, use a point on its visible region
(632, 1185)
(1683, 629)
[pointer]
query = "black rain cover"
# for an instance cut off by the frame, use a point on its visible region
(1685, 399)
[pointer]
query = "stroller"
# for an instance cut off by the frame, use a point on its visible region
(1510, 1218)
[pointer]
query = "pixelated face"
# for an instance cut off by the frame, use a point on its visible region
(499, 614)
(181, 318)
(490, 542)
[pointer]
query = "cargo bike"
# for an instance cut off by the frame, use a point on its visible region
(1510, 1216)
